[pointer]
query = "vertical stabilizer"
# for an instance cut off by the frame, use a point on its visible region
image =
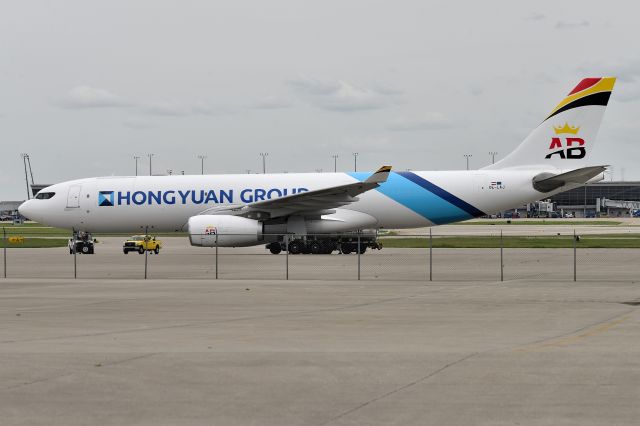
(565, 139)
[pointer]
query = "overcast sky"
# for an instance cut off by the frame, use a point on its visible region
(86, 85)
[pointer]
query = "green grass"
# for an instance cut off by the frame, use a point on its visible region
(36, 243)
(561, 241)
(566, 222)
(35, 229)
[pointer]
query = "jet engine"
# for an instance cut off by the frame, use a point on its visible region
(224, 230)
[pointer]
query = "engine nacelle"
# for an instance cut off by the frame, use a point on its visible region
(227, 230)
(342, 220)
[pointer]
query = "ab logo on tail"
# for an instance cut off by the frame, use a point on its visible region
(568, 146)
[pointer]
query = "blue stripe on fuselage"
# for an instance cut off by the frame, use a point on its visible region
(429, 186)
(428, 201)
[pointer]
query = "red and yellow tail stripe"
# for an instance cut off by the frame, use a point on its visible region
(590, 91)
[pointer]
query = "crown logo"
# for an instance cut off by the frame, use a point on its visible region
(566, 129)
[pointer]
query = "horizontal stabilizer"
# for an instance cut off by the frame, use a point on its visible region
(547, 182)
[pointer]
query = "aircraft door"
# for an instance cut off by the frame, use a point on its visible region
(73, 197)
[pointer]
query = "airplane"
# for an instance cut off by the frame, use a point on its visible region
(245, 210)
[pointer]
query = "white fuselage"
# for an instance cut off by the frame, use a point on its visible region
(165, 203)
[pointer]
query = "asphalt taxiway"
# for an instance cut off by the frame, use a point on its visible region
(318, 352)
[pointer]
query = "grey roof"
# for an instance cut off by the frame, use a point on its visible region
(10, 205)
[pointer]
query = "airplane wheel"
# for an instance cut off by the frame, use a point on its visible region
(347, 248)
(315, 247)
(275, 248)
(295, 247)
(328, 247)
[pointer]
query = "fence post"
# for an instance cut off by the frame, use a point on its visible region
(501, 257)
(286, 252)
(430, 255)
(216, 255)
(358, 248)
(4, 237)
(146, 252)
(75, 250)
(575, 266)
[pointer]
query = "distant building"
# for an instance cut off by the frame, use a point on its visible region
(37, 187)
(9, 208)
(615, 199)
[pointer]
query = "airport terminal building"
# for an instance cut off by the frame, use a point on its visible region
(613, 199)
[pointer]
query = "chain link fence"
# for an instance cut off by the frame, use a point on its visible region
(495, 256)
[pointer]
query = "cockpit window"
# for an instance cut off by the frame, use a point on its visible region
(45, 195)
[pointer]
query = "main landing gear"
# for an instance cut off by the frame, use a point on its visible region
(324, 246)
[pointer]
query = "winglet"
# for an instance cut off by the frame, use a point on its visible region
(380, 175)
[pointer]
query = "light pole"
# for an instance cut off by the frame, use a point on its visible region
(355, 161)
(335, 163)
(33, 183)
(150, 157)
(467, 156)
(493, 156)
(202, 157)
(26, 176)
(264, 161)
(136, 158)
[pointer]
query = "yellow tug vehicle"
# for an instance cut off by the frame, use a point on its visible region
(142, 243)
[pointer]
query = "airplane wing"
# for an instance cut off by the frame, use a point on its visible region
(319, 201)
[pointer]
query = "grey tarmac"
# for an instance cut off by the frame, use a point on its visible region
(312, 352)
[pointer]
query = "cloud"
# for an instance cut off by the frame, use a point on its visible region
(627, 70)
(136, 124)
(271, 102)
(81, 97)
(342, 96)
(627, 94)
(562, 25)
(534, 16)
(475, 89)
(179, 109)
(165, 108)
(429, 121)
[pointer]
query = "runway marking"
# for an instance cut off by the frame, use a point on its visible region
(574, 338)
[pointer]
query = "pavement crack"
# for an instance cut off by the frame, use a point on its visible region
(584, 331)
(401, 388)
(70, 373)
(201, 323)
(41, 380)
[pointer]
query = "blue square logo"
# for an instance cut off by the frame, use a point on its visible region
(105, 199)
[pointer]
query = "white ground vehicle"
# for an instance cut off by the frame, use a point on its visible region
(83, 243)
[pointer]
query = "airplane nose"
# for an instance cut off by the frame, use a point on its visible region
(26, 209)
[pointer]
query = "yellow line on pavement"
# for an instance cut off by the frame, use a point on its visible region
(575, 338)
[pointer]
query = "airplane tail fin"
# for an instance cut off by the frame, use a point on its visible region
(565, 139)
